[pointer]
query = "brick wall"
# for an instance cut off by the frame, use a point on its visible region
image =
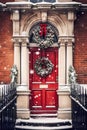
(82, 1)
(6, 47)
(80, 49)
(4, 1)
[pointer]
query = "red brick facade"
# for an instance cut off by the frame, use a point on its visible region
(6, 46)
(4, 1)
(80, 46)
(82, 1)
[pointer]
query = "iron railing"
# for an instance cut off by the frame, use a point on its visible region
(7, 106)
(79, 106)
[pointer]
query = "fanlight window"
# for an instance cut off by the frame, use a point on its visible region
(36, 1)
(43, 34)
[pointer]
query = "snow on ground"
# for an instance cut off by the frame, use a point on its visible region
(43, 120)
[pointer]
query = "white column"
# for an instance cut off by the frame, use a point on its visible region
(17, 58)
(62, 64)
(69, 56)
(15, 18)
(23, 90)
(24, 64)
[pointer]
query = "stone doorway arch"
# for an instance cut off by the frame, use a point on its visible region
(64, 24)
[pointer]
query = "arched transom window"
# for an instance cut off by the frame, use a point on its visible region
(43, 34)
(36, 1)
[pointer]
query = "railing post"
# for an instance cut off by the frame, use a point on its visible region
(7, 106)
(79, 106)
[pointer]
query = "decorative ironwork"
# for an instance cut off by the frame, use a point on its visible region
(79, 106)
(43, 66)
(7, 106)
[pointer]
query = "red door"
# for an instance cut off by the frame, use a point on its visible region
(43, 97)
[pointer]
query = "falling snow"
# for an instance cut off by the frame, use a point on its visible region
(31, 71)
(83, 12)
(5, 68)
(37, 53)
(82, 25)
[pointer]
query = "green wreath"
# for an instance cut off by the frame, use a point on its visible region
(47, 41)
(43, 66)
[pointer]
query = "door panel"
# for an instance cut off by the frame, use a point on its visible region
(52, 56)
(44, 97)
(51, 100)
(37, 98)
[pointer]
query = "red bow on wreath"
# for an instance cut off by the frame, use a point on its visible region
(43, 30)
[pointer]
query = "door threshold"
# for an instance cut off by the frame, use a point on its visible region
(43, 115)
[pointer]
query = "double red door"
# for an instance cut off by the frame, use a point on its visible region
(43, 98)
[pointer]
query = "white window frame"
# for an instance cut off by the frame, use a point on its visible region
(38, 1)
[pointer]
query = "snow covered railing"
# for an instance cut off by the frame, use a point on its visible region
(79, 106)
(79, 94)
(7, 92)
(7, 106)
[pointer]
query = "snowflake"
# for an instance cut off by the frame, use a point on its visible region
(31, 71)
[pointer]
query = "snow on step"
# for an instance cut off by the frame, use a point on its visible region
(43, 124)
(42, 128)
(43, 120)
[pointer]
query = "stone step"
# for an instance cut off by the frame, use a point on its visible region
(44, 115)
(43, 124)
(43, 128)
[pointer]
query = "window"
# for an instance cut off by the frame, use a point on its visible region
(42, 32)
(36, 1)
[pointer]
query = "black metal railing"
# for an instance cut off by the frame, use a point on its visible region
(7, 106)
(79, 106)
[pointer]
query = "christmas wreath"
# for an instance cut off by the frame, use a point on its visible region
(43, 66)
(43, 35)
